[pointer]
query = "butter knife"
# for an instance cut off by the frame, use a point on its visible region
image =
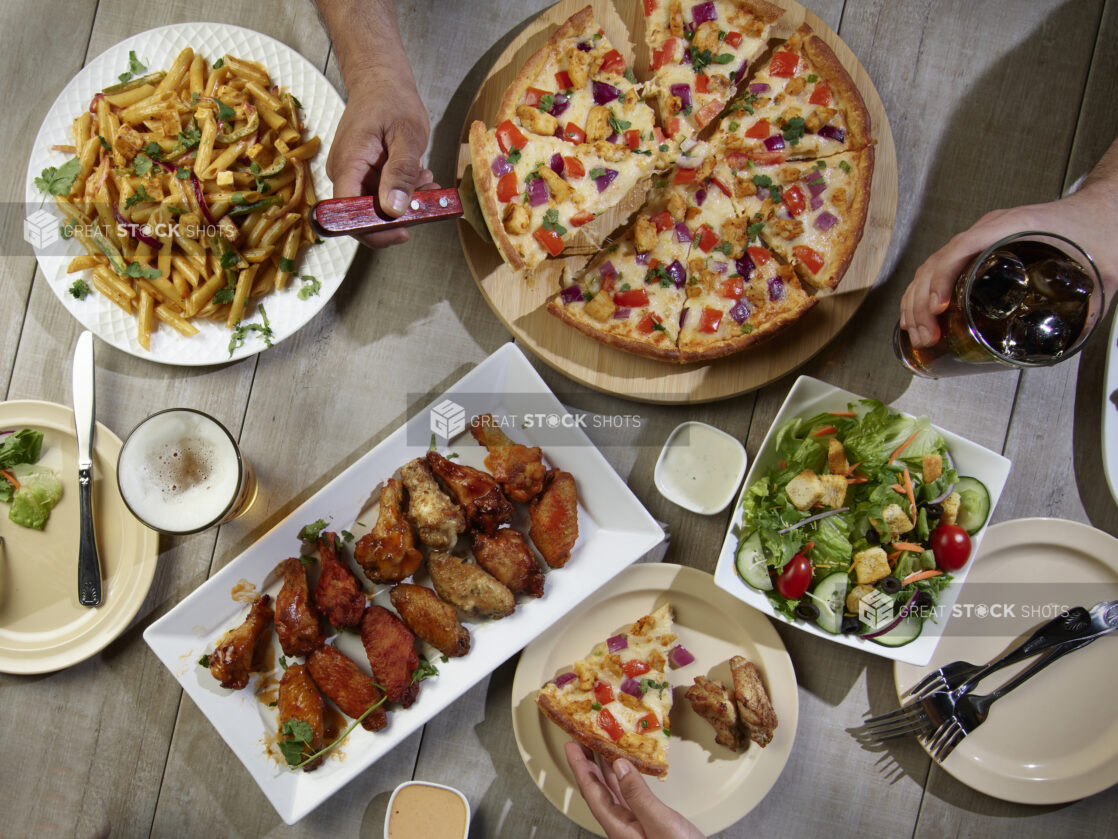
(89, 565)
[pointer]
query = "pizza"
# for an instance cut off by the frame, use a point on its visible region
(755, 170)
(617, 701)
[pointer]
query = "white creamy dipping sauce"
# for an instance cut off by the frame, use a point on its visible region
(700, 468)
(426, 811)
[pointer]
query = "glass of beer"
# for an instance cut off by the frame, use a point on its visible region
(1030, 300)
(180, 471)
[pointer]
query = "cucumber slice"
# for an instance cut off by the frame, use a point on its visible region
(830, 598)
(905, 632)
(751, 562)
(974, 505)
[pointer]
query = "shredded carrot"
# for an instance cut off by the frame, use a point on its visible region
(920, 575)
(857, 479)
(783, 463)
(897, 488)
(10, 478)
(824, 431)
(902, 447)
(909, 492)
(807, 547)
(852, 468)
(893, 557)
(848, 414)
(908, 546)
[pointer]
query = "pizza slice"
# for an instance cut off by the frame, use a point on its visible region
(800, 104)
(700, 53)
(573, 139)
(617, 701)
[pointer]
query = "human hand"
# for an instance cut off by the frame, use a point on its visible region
(1084, 217)
(621, 801)
(377, 148)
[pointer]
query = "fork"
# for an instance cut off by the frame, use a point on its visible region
(1076, 623)
(968, 711)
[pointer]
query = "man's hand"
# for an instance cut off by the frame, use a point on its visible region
(621, 801)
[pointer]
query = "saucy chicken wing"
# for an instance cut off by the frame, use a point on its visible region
(554, 514)
(518, 469)
(390, 646)
(479, 494)
(507, 557)
(300, 699)
(754, 707)
(461, 583)
(238, 652)
(437, 519)
(298, 625)
(387, 552)
(347, 686)
(337, 595)
(710, 701)
(431, 619)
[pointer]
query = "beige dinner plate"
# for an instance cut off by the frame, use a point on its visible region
(711, 785)
(1055, 738)
(42, 625)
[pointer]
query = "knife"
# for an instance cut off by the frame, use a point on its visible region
(89, 565)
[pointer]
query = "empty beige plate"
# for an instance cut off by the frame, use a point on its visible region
(42, 625)
(711, 785)
(1055, 738)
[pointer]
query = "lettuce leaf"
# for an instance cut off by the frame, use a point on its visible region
(23, 446)
(39, 490)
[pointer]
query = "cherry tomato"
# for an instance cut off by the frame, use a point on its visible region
(951, 546)
(793, 581)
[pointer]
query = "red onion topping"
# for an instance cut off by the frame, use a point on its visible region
(500, 166)
(719, 267)
(537, 192)
(556, 164)
(776, 289)
(683, 91)
(679, 656)
(740, 312)
(832, 133)
(564, 679)
(825, 221)
(559, 106)
(700, 197)
(622, 313)
(200, 197)
(604, 180)
(617, 643)
(745, 266)
(704, 12)
(607, 271)
(678, 273)
(758, 87)
(632, 687)
(604, 93)
(816, 202)
(641, 258)
(571, 294)
(774, 143)
(682, 233)
(683, 317)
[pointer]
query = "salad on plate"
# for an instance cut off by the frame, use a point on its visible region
(860, 523)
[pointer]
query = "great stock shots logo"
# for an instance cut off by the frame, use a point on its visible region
(448, 419)
(875, 609)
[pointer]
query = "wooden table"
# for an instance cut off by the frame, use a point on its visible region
(992, 103)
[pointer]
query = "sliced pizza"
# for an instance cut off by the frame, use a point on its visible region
(617, 701)
(800, 104)
(700, 53)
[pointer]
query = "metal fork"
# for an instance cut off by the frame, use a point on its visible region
(968, 711)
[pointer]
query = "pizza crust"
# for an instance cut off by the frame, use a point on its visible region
(593, 741)
(842, 86)
(638, 346)
(481, 158)
(695, 351)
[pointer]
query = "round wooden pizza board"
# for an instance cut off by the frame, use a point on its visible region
(522, 304)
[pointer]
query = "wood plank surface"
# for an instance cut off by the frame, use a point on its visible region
(991, 103)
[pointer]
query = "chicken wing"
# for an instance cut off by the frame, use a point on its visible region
(507, 557)
(466, 586)
(554, 515)
(518, 469)
(298, 625)
(437, 519)
(239, 651)
(300, 700)
(387, 552)
(348, 686)
(338, 595)
(390, 646)
(479, 494)
(431, 619)
(710, 701)
(754, 706)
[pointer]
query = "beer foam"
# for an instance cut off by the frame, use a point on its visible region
(178, 471)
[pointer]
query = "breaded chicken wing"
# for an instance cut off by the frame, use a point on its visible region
(710, 701)
(431, 619)
(479, 494)
(387, 552)
(338, 595)
(754, 706)
(437, 519)
(554, 514)
(238, 652)
(347, 686)
(298, 624)
(390, 646)
(300, 699)
(519, 469)
(462, 584)
(507, 557)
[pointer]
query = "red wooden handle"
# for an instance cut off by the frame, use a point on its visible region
(343, 216)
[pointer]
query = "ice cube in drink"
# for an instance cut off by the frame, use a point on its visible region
(1000, 285)
(1038, 335)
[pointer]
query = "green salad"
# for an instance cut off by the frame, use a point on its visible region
(859, 524)
(31, 490)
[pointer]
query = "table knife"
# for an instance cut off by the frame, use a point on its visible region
(89, 565)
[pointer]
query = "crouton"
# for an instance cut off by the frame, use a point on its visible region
(804, 490)
(834, 490)
(950, 508)
(855, 597)
(871, 565)
(897, 520)
(836, 458)
(932, 467)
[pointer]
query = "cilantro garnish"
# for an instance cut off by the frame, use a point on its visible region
(153, 150)
(663, 147)
(58, 181)
(618, 125)
(297, 737)
(547, 101)
(629, 75)
(225, 295)
(347, 536)
(287, 265)
(763, 181)
(190, 136)
(793, 130)
(658, 273)
(597, 172)
(242, 330)
(310, 287)
(514, 156)
(812, 78)
(551, 222)
(724, 247)
(649, 684)
(135, 198)
(79, 289)
(754, 230)
(425, 670)
(204, 661)
(141, 165)
(597, 706)
(135, 270)
(844, 166)
(135, 67)
(746, 328)
(182, 173)
(217, 65)
(104, 142)
(224, 112)
(311, 532)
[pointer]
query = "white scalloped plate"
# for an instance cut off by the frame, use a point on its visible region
(157, 48)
